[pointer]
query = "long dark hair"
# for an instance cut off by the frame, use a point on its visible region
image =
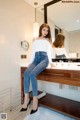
(49, 31)
(59, 41)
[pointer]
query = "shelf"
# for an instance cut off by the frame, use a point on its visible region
(64, 105)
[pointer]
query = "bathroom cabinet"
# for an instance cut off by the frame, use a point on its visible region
(68, 77)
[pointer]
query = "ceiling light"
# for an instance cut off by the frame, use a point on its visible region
(36, 24)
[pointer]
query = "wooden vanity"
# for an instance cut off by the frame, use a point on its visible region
(69, 77)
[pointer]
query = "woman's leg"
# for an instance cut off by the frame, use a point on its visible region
(34, 73)
(27, 84)
(27, 77)
(26, 100)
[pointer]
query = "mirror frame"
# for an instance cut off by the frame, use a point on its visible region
(45, 8)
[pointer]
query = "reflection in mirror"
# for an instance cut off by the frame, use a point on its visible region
(65, 17)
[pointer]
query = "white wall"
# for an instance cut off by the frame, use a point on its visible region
(66, 34)
(74, 41)
(15, 25)
(39, 17)
(70, 92)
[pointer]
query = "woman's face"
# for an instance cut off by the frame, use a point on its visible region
(44, 31)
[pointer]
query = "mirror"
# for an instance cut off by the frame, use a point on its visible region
(65, 16)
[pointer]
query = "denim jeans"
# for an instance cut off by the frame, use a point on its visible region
(39, 63)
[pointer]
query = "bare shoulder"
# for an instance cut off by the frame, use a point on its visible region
(36, 38)
(48, 40)
(53, 46)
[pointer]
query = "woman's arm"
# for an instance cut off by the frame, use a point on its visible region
(32, 54)
(49, 52)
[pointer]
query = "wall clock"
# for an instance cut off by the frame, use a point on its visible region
(25, 45)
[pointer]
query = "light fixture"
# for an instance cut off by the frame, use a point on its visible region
(77, 20)
(35, 24)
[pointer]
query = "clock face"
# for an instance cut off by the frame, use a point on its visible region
(25, 45)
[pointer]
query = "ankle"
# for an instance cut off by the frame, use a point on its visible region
(26, 101)
(35, 104)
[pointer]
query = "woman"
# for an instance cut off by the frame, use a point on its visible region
(41, 57)
(59, 51)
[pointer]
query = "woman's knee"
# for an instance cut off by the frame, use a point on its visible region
(32, 74)
(26, 74)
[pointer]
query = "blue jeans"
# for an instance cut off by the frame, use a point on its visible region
(38, 65)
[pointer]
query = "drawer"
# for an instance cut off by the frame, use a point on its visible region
(58, 74)
(69, 77)
(75, 75)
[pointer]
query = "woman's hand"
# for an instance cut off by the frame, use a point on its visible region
(52, 65)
